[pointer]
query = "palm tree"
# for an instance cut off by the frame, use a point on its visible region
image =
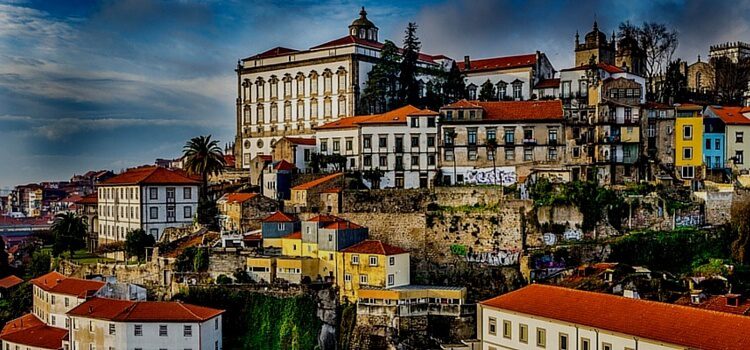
(70, 234)
(204, 157)
(491, 145)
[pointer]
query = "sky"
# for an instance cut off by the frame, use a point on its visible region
(112, 84)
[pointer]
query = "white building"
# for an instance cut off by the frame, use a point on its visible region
(120, 324)
(548, 317)
(402, 143)
(54, 295)
(514, 77)
(149, 198)
(287, 92)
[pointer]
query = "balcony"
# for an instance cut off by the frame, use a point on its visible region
(531, 141)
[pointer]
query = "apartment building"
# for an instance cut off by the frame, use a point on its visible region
(371, 264)
(55, 294)
(149, 198)
(528, 137)
(550, 317)
(689, 144)
(657, 131)
(736, 122)
(514, 78)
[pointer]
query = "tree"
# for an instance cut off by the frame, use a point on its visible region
(659, 44)
(136, 243)
(730, 79)
(40, 264)
(675, 84)
(491, 145)
(204, 157)
(380, 88)
(408, 84)
(200, 261)
(454, 87)
(741, 225)
(337, 161)
(316, 162)
(242, 277)
(373, 176)
(70, 234)
(487, 91)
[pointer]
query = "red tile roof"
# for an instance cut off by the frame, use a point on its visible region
(374, 247)
(516, 110)
(424, 112)
(284, 165)
(349, 40)
(30, 331)
(317, 182)
(463, 103)
(143, 311)
(239, 197)
(89, 199)
(276, 51)
(731, 115)
(149, 175)
(325, 218)
(293, 235)
(719, 303)
(229, 160)
(279, 217)
(497, 63)
(668, 323)
(342, 225)
(10, 281)
(343, 123)
(548, 83)
(602, 65)
(332, 190)
(55, 282)
(301, 141)
(396, 116)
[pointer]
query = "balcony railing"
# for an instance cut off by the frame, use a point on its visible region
(529, 141)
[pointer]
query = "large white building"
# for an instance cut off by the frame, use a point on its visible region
(149, 198)
(549, 317)
(402, 143)
(287, 92)
(513, 77)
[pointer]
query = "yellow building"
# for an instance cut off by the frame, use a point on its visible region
(262, 268)
(370, 264)
(296, 269)
(689, 142)
(230, 207)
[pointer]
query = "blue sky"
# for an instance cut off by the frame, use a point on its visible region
(112, 84)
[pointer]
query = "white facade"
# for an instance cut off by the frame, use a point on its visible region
(51, 307)
(397, 270)
(89, 333)
(152, 208)
(511, 79)
(328, 140)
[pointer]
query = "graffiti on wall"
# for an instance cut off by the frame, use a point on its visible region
(488, 176)
(498, 258)
(688, 220)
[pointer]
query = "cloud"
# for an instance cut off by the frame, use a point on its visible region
(57, 129)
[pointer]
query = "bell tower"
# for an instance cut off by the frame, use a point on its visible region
(363, 28)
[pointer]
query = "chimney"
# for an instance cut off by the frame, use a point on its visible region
(467, 63)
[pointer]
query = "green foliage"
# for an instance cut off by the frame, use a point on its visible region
(40, 264)
(223, 279)
(740, 226)
(241, 276)
(714, 267)
(70, 233)
(408, 92)
(192, 259)
(373, 176)
(454, 87)
(207, 212)
(347, 322)
(18, 303)
(380, 88)
(136, 243)
(593, 201)
(458, 249)
(487, 91)
(257, 321)
(200, 261)
(204, 157)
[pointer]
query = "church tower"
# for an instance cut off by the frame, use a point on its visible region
(595, 45)
(362, 28)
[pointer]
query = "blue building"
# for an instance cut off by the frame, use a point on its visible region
(714, 143)
(279, 225)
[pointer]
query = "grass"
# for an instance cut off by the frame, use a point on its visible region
(81, 257)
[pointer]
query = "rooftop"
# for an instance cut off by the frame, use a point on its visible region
(601, 65)
(317, 182)
(301, 141)
(143, 311)
(239, 197)
(32, 332)
(150, 175)
(279, 217)
(55, 282)
(374, 247)
(514, 110)
(10, 281)
(498, 63)
(731, 115)
(668, 323)
(89, 199)
(396, 116)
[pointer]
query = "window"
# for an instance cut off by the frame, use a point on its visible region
(541, 337)
(188, 212)
(708, 144)
(138, 330)
(606, 346)
(53, 300)
(367, 160)
(448, 155)
(510, 154)
(216, 323)
(585, 344)
(383, 141)
(739, 157)
(687, 152)
(414, 122)
(430, 122)
(391, 279)
(552, 153)
(415, 141)
(552, 136)
(717, 144)
(523, 333)
(327, 107)
(510, 135)
(688, 172)
(153, 193)
(431, 141)
(472, 136)
(355, 259)
(362, 279)
(739, 137)
(367, 141)
(415, 160)
(111, 329)
(472, 153)
(517, 90)
(373, 261)
(336, 145)
(383, 161)
(687, 132)
(431, 159)
(651, 130)
(187, 331)
(502, 88)
(528, 154)
(324, 146)
(391, 261)
(154, 232)
(492, 328)
(67, 302)
(472, 92)
(507, 329)
(563, 341)
(163, 330)
(491, 133)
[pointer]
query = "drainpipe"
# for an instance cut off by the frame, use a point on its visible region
(597, 338)
(577, 338)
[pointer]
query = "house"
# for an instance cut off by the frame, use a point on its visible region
(243, 211)
(8, 284)
(689, 143)
(55, 295)
(371, 263)
(528, 136)
(658, 133)
(714, 143)
(412, 300)
(87, 208)
(512, 77)
(149, 198)
(541, 316)
(277, 180)
(257, 167)
(295, 150)
(737, 124)
(29, 332)
(306, 197)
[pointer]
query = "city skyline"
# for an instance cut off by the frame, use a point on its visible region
(115, 85)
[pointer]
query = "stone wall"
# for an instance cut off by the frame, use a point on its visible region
(386, 201)
(718, 207)
(468, 195)
(226, 261)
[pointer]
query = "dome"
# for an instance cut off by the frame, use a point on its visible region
(595, 35)
(362, 21)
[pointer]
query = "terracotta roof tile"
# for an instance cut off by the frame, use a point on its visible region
(424, 112)
(283, 165)
(516, 110)
(239, 197)
(396, 116)
(55, 282)
(731, 115)
(279, 217)
(276, 51)
(342, 225)
(463, 103)
(548, 83)
(143, 311)
(343, 123)
(149, 175)
(229, 160)
(374, 247)
(317, 182)
(30, 331)
(301, 141)
(602, 65)
(89, 199)
(497, 63)
(10, 281)
(349, 40)
(668, 323)
(325, 218)
(293, 235)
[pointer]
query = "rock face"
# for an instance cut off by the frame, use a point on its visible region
(327, 306)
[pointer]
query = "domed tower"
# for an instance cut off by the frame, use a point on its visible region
(362, 28)
(595, 44)
(630, 56)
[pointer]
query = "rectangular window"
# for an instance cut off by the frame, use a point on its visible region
(355, 259)
(391, 279)
(367, 160)
(717, 144)
(153, 213)
(170, 193)
(472, 153)
(111, 329)
(349, 144)
(507, 329)
(523, 333)
(431, 141)
(163, 331)
(448, 155)
(391, 261)
(373, 261)
(363, 279)
(324, 146)
(431, 159)
(739, 157)
(552, 136)
(138, 330)
(606, 346)
(585, 344)
(415, 160)
(688, 172)
(510, 136)
(491, 133)
(739, 137)
(430, 122)
(383, 161)
(528, 154)
(492, 328)
(472, 136)
(563, 341)
(336, 145)
(187, 193)
(383, 141)
(414, 122)
(687, 132)
(347, 278)
(541, 337)
(153, 193)
(367, 141)
(552, 153)
(415, 141)
(510, 154)
(187, 331)
(708, 144)
(687, 153)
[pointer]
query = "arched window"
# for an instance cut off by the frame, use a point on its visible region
(300, 85)
(342, 106)
(246, 91)
(327, 107)
(472, 91)
(327, 81)
(313, 108)
(502, 90)
(517, 91)
(341, 73)
(313, 83)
